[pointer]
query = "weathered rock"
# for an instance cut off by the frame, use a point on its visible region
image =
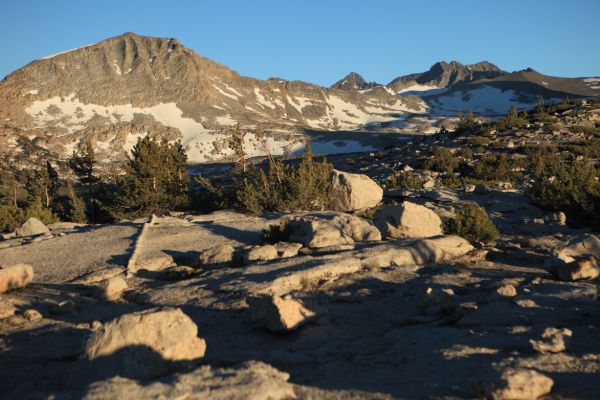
(418, 252)
(279, 314)
(261, 253)
(145, 344)
(6, 309)
(579, 246)
(32, 227)
(112, 288)
(15, 276)
(323, 230)
(157, 263)
(286, 250)
(251, 380)
(519, 384)
(506, 291)
(585, 268)
(218, 255)
(553, 340)
(33, 315)
(304, 279)
(407, 220)
(177, 272)
(351, 192)
(98, 276)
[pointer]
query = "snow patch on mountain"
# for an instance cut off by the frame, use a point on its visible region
(483, 100)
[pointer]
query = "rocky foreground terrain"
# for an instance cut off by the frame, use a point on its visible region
(200, 306)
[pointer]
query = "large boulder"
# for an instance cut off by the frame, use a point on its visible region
(408, 220)
(15, 276)
(144, 344)
(278, 314)
(32, 227)
(582, 269)
(221, 255)
(579, 246)
(324, 230)
(351, 192)
(252, 380)
(518, 384)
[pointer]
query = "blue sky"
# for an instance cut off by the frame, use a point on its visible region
(321, 41)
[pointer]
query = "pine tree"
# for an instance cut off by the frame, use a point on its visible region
(74, 207)
(236, 142)
(82, 163)
(156, 179)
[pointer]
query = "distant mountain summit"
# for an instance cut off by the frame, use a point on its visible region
(353, 81)
(443, 75)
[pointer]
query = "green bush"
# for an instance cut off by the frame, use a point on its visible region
(442, 160)
(571, 187)
(37, 210)
(405, 180)
(284, 187)
(473, 223)
(11, 217)
(511, 120)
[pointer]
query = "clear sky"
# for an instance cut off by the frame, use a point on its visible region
(321, 41)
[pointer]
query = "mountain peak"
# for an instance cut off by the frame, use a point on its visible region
(353, 81)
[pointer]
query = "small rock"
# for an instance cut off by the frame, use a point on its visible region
(112, 288)
(260, 253)
(526, 303)
(157, 263)
(32, 227)
(221, 255)
(287, 250)
(15, 276)
(95, 325)
(519, 384)
(6, 309)
(507, 291)
(33, 315)
(64, 307)
(279, 314)
(553, 340)
(585, 268)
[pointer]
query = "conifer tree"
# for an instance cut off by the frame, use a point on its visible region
(155, 180)
(83, 163)
(74, 207)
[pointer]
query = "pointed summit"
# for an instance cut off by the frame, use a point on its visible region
(353, 81)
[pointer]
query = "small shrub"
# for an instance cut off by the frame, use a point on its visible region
(473, 223)
(442, 161)
(406, 181)
(278, 232)
(11, 217)
(37, 210)
(571, 187)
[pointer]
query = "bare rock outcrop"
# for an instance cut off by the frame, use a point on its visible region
(145, 344)
(579, 246)
(519, 384)
(407, 220)
(279, 314)
(251, 380)
(331, 229)
(15, 276)
(351, 192)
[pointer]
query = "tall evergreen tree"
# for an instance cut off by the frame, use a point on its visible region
(156, 178)
(83, 163)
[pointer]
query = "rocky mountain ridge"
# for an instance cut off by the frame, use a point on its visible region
(113, 92)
